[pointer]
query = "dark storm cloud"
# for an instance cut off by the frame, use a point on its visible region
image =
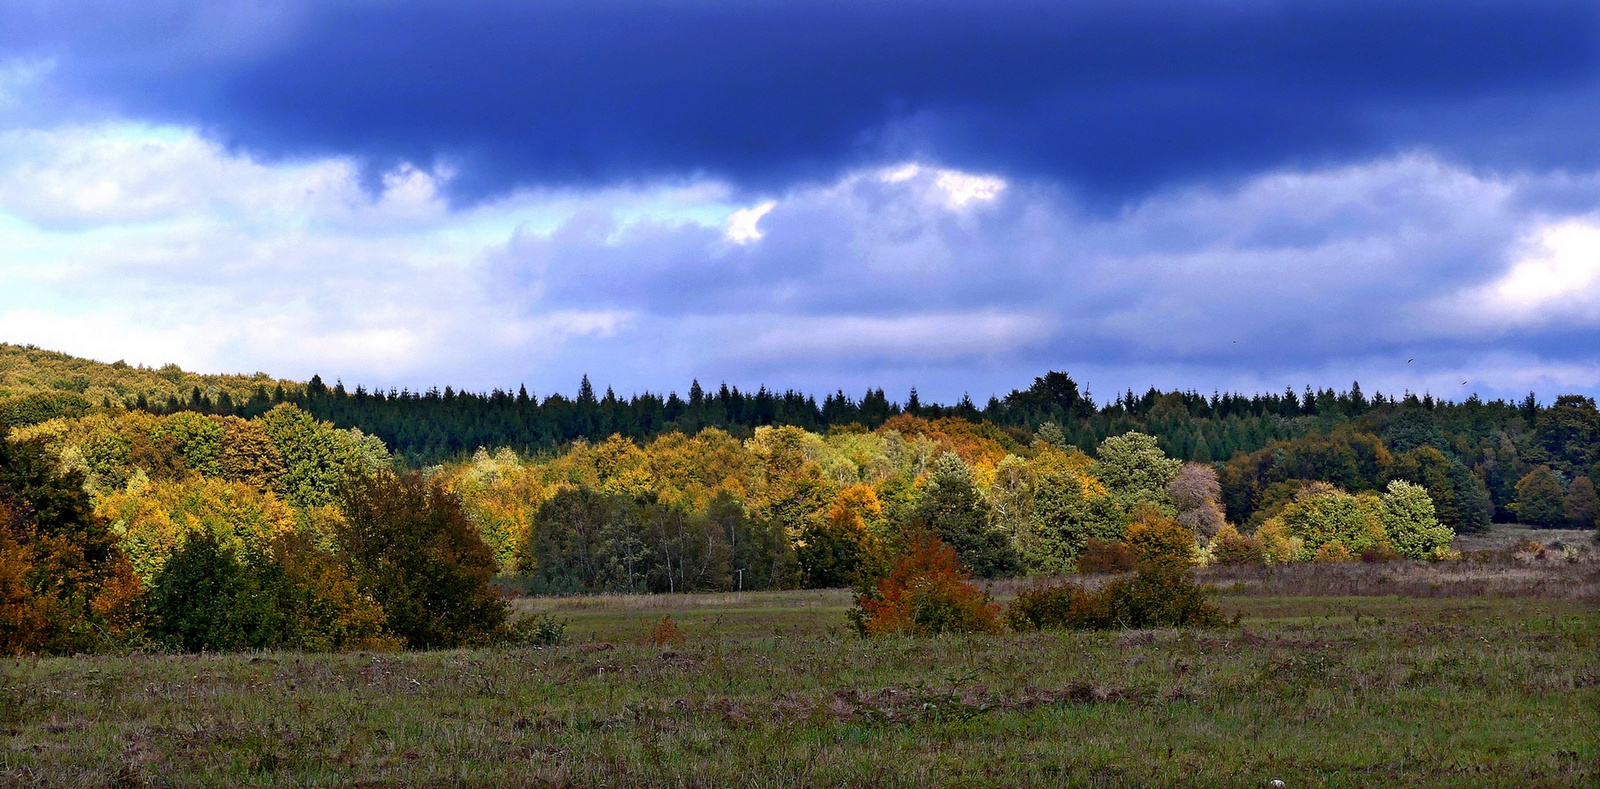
(1115, 98)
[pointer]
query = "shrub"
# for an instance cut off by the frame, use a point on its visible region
(1102, 556)
(1158, 541)
(666, 633)
(1152, 597)
(925, 593)
(1378, 554)
(207, 597)
(1063, 606)
(1278, 546)
(1332, 552)
(410, 546)
(544, 630)
(1159, 597)
(1231, 547)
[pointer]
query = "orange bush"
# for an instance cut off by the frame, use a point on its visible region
(926, 593)
(666, 632)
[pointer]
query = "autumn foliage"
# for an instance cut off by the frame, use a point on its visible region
(1106, 556)
(926, 593)
(64, 584)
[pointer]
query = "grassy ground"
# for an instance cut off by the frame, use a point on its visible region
(769, 689)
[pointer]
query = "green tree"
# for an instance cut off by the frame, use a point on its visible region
(197, 441)
(1540, 500)
(1569, 431)
(1582, 507)
(956, 511)
(411, 546)
(209, 597)
(1321, 514)
(1067, 513)
(583, 540)
(1409, 521)
(1459, 498)
(204, 599)
(318, 458)
(1133, 466)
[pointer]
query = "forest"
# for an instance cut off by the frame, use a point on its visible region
(325, 519)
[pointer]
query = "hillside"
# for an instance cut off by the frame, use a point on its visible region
(37, 384)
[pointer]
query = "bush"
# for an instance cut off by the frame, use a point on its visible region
(410, 546)
(1159, 597)
(1378, 554)
(1063, 606)
(1102, 556)
(666, 633)
(1331, 553)
(1152, 597)
(926, 593)
(1158, 541)
(207, 597)
(1231, 547)
(544, 630)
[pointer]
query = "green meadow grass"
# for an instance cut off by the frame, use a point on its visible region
(771, 690)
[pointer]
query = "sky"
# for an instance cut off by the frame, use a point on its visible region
(952, 195)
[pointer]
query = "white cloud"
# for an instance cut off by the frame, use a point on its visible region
(1555, 276)
(743, 225)
(154, 244)
(961, 189)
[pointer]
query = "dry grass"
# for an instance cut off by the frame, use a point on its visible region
(1335, 692)
(1507, 535)
(1549, 578)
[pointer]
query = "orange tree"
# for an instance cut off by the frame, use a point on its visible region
(925, 593)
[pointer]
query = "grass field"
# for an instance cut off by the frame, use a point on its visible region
(769, 689)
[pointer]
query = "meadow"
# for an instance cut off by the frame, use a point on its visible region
(1457, 675)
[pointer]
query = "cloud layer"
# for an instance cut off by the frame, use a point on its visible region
(1114, 97)
(152, 243)
(955, 195)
